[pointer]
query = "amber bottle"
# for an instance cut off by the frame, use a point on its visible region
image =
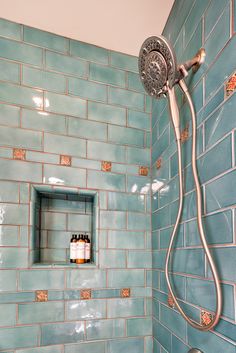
(87, 248)
(80, 250)
(73, 249)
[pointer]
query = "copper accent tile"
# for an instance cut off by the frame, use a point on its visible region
(85, 294)
(19, 153)
(65, 160)
(230, 85)
(206, 318)
(125, 292)
(143, 171)
(41, 296)
(184, 134)
(158, 163)
(170, 301)
(106, 166)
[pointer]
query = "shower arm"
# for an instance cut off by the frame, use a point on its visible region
(175, 121)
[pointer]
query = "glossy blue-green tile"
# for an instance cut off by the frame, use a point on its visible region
(161, 218)
(42, 121)
(43, 79)
(126, 240)
(10, 29)
(225, 261)
(66, 64)
(139, 120)
(8, 281)
(169, 192)
(87, 89)
(85, 163)
(45, 39)
(138, 184)
(95, 347)
(160, 146)
(21, 52)
(58, 239)
(180, 347)
(105, 329)
(67, 332)
(107, 152)
(20, 138)
(112, 259)
(221, 192)
(106, 113)
(53, 220)
(125, 278)
(173, 321)
(64, 145)
(9, 192)
(132, 345)
(162, 335)
(65, 105)
(138, 221)
(138, 156)
(165, 235)
(139, 326)
(49, 349)
(157, 109)
(41, 312)
(134, 82)
(41, 279)
(21, 95)
(148, 104)
(9, 71)
(19, 337)
(213, 12)
(8, 315)
(126, 202)
(106, 74)
(139, 259)
(79, 222)
(208, 341)
(227, 329)
(126, 98)
(106, 293)
(42, 157)
(113, 219)
(14, 214)
(88, 51)
(148, 343)
(106, 181)
(86, 279)
(9, 115)
(9, 236)
(124, 61)
(87, 129)
(158, 259)
(211, 105)
(125, 136)
(189, 261)
(64, 176)
(85, 309)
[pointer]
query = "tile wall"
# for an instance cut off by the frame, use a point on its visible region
(191, 25)
(67, 107)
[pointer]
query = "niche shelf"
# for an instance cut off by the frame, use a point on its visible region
(55, 214)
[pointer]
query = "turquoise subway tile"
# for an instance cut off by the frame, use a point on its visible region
(40, 312)
(212, 14)
(66, 64)
(58, 239)
(53, 256)
(158, 259)
(126, 240)
(21, 52)
(124, 61)
(180, 347)
(189, 261)
(9, 71)
(126, 98)
(106, 293)
(148, 343)
(194, 18)
(85, 163)
(24, 192)
(225, 261)
(160, 146)
(53, 220)
(9, 191)
(49, 349)
(95, 347)
(211, 105)
(106, 181)
(43, 79)
(125, 307)
(106, 152)
(9, 236)
(41, 279)
(43, 121)
(45, 39)
(64, 176)
(127, 278)
(138, 156)
(112, 259)
(21, 95)
(173, 321)
(79, 222)
(126, 202)
(107, 75)
(106, 113)
(42, 157)
(138, 120)
(134, 82)
(85, 309)
(64, 145)
(103, 329)
(86, 279)
(87, 129)
(88, 52)
(148, 104)
(139, 259)
(125, 136)
(10, 29)
(161, 218)
(132, 345)
(14, 214)
(19, 337)
(21, 138)
(8, 315)
(8, 281)
(162, 335)
(65, 105)
(67, 332)
(9, 115)
(139, 221)
(87, 89)
(112, 219)
(227, 329)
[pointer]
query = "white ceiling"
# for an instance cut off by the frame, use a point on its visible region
(120, 25)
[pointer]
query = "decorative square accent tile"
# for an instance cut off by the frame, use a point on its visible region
(65, 160)
(230, 85)
(158, 163)
(85, 294)
(106, 166)
(143, 171)
(19, 153)
(41, 296)
(184, 134)
(170, 301)
(206, 318)
(125, 292)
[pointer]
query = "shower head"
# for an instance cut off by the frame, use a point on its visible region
(157, 66)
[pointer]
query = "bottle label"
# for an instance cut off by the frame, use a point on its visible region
(87, 251)
(80, 250)
(73, 251)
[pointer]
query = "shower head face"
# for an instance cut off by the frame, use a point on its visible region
(157, 66)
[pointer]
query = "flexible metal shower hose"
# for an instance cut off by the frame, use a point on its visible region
(174, 111)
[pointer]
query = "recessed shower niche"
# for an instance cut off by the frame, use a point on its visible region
(56, 214)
